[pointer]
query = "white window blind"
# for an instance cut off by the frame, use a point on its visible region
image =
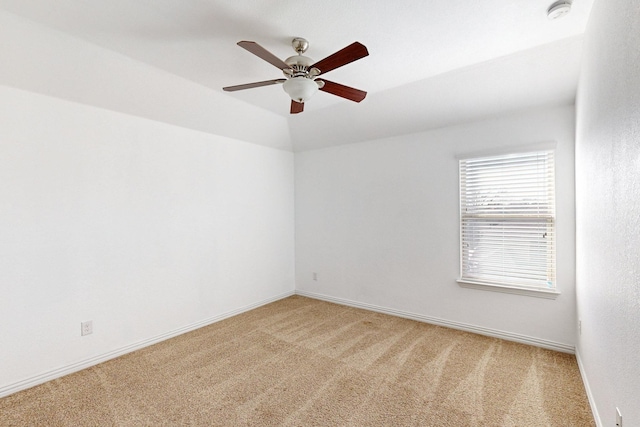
(507, 220)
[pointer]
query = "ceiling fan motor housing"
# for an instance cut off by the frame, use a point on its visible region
(299, 65)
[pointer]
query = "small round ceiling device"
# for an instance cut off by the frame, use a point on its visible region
(559, 9)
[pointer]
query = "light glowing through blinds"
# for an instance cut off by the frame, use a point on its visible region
(507, 220)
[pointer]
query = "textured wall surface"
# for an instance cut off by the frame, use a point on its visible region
(608, 210)
(379, 223)
(150, 220)
(140, 226)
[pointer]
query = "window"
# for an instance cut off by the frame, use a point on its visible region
(507, 222)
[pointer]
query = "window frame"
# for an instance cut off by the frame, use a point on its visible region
(550, 292)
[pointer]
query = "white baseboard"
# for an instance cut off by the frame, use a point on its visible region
(587, 387)
(69, 369)
(524, 339)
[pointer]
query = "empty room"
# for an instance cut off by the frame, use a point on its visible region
(198, 228)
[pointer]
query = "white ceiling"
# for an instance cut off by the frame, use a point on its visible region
(431, 62)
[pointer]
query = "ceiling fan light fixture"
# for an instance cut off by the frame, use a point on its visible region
(300, 89)
(559, 9)
(301, 72)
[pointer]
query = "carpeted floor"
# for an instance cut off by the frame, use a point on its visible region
(302, 362)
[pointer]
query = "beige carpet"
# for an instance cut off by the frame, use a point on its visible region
(302, 362)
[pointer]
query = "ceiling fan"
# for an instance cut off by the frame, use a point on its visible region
(302, 73)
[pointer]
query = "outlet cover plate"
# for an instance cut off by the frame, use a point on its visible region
(618, 418)
(86, 328)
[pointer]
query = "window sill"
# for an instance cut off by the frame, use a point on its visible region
(531, 292)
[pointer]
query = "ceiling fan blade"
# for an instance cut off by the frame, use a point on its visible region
(296, 107)
(252, 85)
(343, 91)
(263, 53)
(351, 53)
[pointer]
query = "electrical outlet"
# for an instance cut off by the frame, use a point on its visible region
(618, 418)
(315, 277)
(579, 327)
(86, 328)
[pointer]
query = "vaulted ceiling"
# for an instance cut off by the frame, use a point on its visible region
(431, 63)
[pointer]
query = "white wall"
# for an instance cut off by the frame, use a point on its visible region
(378, 222)
(608, 210)
(46, 61)
(143, 227)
